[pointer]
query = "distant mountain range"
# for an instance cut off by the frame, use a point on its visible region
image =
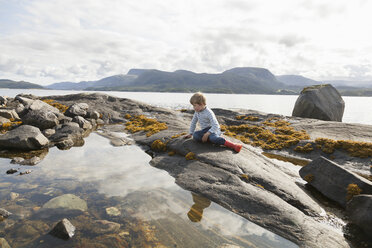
(5, 83)
(247, 80)
(237, 80)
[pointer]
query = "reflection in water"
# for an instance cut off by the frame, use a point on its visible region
(149, 208)
(196, 211)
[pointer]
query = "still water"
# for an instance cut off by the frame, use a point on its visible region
(357, 109)
(129, 204)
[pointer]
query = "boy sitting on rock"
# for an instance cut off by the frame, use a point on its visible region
(210, 129)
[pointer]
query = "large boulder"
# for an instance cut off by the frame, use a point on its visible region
(41, 119)
(24, 137)
(321, 102)
(333, 181)
(359, 210)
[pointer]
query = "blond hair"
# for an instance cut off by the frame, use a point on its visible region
(198, 98)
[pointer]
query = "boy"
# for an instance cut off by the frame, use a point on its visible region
(210, 129)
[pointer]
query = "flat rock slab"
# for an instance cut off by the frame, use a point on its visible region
(332, 180)
(67, 201)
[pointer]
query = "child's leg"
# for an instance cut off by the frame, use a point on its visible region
(215, 139)
(198, 135)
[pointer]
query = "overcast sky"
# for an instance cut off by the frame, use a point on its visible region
(47, 41)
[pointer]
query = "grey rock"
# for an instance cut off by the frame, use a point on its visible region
(100, 122)
(332, 180)
(65, 120)
(49, 132)
(4, 213)
(82, 122)
(65, 144)
(32, 161)
(24, 137)
(321, 102)
(16, 160)
(93, 115)
(20, 109)
(67, 201)
(4, 243)
(31, 104)
(41, 119)
(3, 100)
(77, 109)
(359, 209)
(9, 113)
(63, 229)
(70, 130)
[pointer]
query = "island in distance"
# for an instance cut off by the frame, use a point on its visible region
(239, 80)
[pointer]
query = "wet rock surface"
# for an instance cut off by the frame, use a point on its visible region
(359, 209)
(333, 181)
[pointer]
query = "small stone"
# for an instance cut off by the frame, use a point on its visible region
(4, 213)
(13, 196)
(11, 171)
(32, 161)
(49, 132)
(25, 172)
(63, 230)
(113, 211)
(17, 160)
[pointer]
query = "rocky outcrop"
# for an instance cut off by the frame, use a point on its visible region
(321, 102)
(24, 137)
(63, 229)
(260, 189)
(334, 181)
(359, 210)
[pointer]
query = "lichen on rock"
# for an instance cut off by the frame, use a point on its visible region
(142, 123)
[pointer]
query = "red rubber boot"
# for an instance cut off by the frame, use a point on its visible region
(235, 147)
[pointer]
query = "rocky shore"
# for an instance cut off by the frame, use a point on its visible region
(261, 183)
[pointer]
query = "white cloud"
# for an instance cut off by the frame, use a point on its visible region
(48, 41)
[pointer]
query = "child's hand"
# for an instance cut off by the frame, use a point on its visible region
(205, 136)
(187, 136)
